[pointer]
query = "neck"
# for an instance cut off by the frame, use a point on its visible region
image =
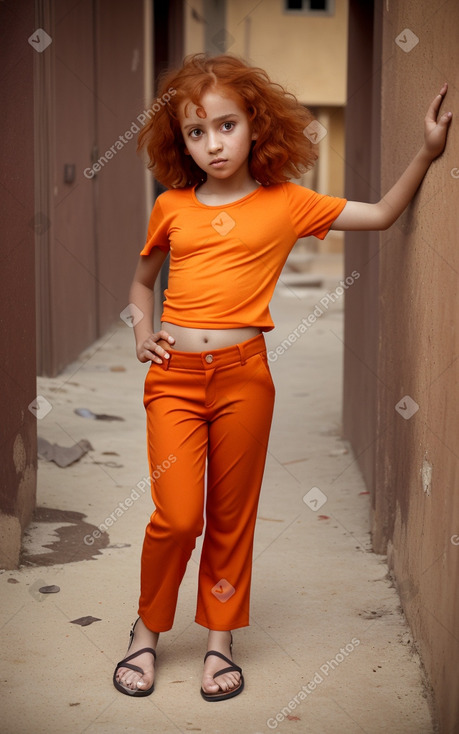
(240, 184)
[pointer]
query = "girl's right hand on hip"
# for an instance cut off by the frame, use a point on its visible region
(153, 348)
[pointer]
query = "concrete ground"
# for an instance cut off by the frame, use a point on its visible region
(327, 650)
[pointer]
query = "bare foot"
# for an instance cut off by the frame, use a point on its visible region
(219, 641)
(143, 637)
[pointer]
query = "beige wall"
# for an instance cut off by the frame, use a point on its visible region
(193, 35)
(411, 465)
(306, 53)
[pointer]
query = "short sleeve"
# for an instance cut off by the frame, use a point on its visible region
(312, 214)
(158, 230)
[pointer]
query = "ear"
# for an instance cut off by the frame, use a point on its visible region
(254, 136)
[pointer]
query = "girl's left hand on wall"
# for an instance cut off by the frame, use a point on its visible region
(436, 128)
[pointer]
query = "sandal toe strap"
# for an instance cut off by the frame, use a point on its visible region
(230, 669)
(125, 663)
(135, 668)
(140, 652)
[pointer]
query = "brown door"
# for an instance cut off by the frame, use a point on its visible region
(91, 187)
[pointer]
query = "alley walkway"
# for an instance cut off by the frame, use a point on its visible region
(327, 651)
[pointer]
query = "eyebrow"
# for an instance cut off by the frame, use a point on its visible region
(220, 118)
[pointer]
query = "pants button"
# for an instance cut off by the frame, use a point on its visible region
(209, 358)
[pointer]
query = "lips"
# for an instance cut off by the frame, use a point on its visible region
(217, 161)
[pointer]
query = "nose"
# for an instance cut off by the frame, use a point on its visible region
(213, 142)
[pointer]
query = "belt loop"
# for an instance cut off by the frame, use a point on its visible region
(241, 353)
(165, 363)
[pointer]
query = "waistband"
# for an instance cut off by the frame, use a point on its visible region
(212, 359)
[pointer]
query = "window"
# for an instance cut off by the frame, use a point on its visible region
(310, 7)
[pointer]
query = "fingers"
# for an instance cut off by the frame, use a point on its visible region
(161, 348)
(165, 336)
(155, 353)
(154, 348)
(444, 89)
(432, 112)
(445, 119)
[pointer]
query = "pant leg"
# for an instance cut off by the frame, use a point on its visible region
(177, 438)
(238, 441)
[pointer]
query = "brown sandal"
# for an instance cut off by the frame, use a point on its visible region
(232, 668)
(125, 664)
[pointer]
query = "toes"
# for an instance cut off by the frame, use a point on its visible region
(233, 680)
(127, 678)
(209, 685)
(224, 683)
(119, 674)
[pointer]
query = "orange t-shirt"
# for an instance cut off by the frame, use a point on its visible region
(226, 260)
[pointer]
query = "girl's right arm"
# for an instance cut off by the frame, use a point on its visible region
(141, 295)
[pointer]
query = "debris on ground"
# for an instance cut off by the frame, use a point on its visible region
(86, 413)
(62, 455)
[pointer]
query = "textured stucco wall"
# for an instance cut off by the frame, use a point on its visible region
(417, 466)
(412, 462)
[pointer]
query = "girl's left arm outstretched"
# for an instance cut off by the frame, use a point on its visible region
(358, 215)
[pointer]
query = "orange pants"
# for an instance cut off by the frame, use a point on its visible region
(213, 407)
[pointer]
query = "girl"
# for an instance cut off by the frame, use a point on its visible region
(225, 144)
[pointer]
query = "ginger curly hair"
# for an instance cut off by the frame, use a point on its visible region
(281, 150)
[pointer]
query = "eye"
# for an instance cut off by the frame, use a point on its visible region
(196, 133)
(227, 126)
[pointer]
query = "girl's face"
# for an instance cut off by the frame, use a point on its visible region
(217, 135)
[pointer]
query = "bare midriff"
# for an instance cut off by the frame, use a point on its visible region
(201, 340)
